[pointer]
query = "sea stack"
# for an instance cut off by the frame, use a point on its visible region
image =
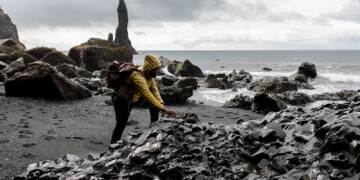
(8, 30)
(121, 35)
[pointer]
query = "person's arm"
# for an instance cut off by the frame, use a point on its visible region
(142, 87)
(154, 89)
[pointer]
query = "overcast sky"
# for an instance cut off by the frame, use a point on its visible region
(192, 24)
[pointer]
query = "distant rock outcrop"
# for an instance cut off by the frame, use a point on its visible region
(273, 85)
(97, 54)
(121, 35)
(185, 69)
(8, 30)
(40, 52)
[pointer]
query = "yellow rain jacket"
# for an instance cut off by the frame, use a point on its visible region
(144, 87)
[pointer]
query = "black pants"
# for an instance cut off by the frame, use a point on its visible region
(122, 113)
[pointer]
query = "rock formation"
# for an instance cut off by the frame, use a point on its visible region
(8, 30)
(291, 144)
(8, 46)
(185, 69)
(121, 35)
(272, 85)
(98, 54)
(41, 80)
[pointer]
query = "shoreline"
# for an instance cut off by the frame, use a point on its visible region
(33, 130)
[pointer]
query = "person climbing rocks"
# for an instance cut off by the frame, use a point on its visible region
(142, 87)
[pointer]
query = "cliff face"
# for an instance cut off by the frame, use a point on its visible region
(121, 35)
(7, 28)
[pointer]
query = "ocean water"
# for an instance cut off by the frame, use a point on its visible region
(337, 70)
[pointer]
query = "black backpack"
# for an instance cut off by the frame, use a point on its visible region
(118, 72)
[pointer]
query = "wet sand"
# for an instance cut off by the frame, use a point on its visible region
(33, 130)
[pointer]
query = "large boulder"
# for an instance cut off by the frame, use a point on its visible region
(273, 85)
(41, 80)
(187, 82)
(98, 54)
(14, 67)
(185, 69)
(239, 101)
(68, 70)
(40, 52)
(168, 80)
(8, 30)
(57, 58)
(27, 57)
(263, 103)
(307, 69)
(8, 46)
(121, 36)
(174, 95)
(210, 81)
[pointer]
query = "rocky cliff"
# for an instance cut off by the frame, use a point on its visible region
(8, 29)
(121, 35)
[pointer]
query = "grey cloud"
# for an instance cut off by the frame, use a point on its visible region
(27, 13)
(169, 10)
(60, 12)
(350, 12)
(204, 11)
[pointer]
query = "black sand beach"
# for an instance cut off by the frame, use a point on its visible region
(34, 130)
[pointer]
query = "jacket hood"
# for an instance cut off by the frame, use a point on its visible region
(150, 62)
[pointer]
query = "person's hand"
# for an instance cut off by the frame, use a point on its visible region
(170, 112)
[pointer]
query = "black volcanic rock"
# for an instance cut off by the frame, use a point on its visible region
(307, 69)
(168, 80)
(41, 80)
(263, 103)
(121, 36)
(27, 57)
(56, 58)
(185, 69)
(273, 85)
(292, 144)
(40, 52)
(239, 101)
(175, 95)
(97, 54)
(8, 46)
